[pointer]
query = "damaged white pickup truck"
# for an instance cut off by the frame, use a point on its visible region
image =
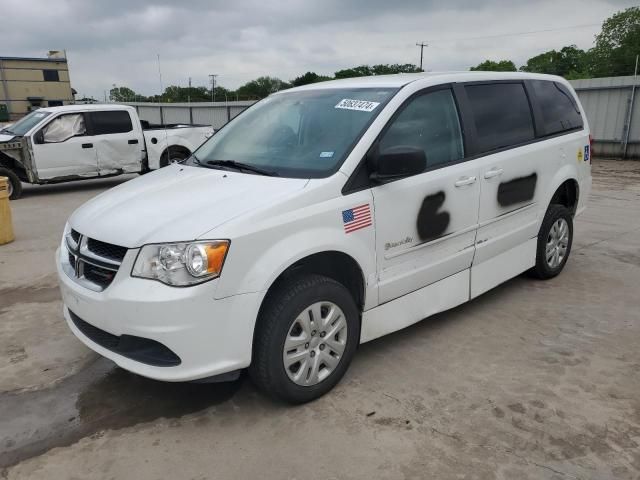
(75, 142)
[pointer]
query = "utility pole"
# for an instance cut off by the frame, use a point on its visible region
(189, 92)
(630, 110)
(422, 45)
(213, 76)
(213, 86)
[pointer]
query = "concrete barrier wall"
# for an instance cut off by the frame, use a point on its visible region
(216, 114)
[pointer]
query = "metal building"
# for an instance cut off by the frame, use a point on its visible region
(613, 111)
(29, 83)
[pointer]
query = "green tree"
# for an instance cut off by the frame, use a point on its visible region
(389, 69)
(123, 94)
(570, 62)
(617, 44)
(261, 87)
(382, 69)
(491, 66)
(307, 78)
(177, 94)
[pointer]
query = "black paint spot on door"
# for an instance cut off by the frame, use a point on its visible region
(432, 223)
(517, 190)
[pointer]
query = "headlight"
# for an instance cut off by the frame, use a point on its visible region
(181, 264)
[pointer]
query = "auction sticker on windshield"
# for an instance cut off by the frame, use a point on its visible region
(359, 105)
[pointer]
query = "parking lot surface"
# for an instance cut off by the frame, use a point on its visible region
(531, 380)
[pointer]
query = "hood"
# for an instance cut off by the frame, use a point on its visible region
(5, 137)
(176, 203)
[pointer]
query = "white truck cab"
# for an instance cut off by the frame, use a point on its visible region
(75, 142)
(326, 216)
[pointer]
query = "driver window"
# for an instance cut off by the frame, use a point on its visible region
(429, 122)
(64, 127)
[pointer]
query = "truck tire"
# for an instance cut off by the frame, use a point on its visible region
(173, 155)
(306, 335)
(554, 242)
(15, 185)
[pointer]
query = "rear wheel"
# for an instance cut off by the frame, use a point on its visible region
(554, 242)
(306, 336)
(15, 185)
(173, 156)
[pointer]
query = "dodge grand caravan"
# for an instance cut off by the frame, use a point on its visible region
(327, 216)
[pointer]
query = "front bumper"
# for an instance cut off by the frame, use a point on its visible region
(210, 337)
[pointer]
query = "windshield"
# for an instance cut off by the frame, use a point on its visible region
(305, 134)
(26, 123)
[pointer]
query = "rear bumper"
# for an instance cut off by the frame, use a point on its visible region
(208, 337)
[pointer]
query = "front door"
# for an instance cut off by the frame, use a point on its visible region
(426, 224)
(65, 149)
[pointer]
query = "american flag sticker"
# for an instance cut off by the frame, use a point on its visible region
(356, 218)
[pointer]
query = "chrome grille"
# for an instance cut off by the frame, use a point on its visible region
(90, 262)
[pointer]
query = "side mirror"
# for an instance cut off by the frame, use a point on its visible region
(38, 138)
(398, 162)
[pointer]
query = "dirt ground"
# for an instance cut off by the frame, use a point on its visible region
(531, 380)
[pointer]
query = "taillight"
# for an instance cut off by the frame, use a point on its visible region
(590, 147)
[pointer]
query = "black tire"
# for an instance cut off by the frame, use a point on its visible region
(281, 308)
(15, 187)
(173, 155)
(543, 270)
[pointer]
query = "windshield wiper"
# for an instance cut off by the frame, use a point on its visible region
(241, 166)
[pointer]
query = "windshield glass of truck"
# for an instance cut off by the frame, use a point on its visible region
(304, 134)
(26, 123)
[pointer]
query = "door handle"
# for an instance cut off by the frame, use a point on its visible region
(494, 172)
(133, 142)
(87, 145)
(465, 181)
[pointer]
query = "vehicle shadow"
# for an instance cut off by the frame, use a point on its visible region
(100, 397)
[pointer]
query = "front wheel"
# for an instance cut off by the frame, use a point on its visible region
(306, 336)
(15, 185)
(554, 242)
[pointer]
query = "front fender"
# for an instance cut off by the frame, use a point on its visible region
(252, 269)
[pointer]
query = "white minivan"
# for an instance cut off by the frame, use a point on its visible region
(323, 217)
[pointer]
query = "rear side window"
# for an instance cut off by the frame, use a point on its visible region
(501, 114)
(560, 112)
(429, 122)
(111, 121)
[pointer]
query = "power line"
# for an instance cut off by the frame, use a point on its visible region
(570, 27)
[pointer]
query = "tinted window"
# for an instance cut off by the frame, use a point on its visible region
(429, 122)
(50, 75)
(114, 121)
(501, 114)
(559, 110)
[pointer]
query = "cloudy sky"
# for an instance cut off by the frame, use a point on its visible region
(117, 41)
